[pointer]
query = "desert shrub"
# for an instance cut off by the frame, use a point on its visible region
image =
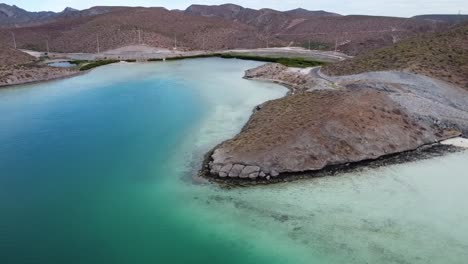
(95, 64)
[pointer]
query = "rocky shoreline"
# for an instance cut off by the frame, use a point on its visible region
(20, 75)
(422, 153)
(341, 125)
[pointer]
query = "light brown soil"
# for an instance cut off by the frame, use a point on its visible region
(21, 74)
(311, 130)
(441, 55)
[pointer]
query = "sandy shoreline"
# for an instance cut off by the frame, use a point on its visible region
(457, 142)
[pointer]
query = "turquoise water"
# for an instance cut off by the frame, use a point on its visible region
(97, 169)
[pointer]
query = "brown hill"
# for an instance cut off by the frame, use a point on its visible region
(352, 34)
(217, 27)
(10, 56)
(441, 55)
(452, 19)
(300, 12)
(157, 27)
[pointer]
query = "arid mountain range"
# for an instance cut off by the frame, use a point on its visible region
(204, 27)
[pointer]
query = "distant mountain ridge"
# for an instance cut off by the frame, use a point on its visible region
(265, 19)
(236, 12)
(13, 16)
(452, 19)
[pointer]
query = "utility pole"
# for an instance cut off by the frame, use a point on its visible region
(97, 42)
(14, 39)
(336, 45)
(139, 36)
(175, 42)
(47, 45)
(309, 46)
(203, 44)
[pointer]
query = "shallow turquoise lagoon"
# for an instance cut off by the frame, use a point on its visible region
(97, 169)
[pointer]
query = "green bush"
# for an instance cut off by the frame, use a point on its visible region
(95, 64)
(290, 62)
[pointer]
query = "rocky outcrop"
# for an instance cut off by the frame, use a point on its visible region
(311, 130)
(295, 79)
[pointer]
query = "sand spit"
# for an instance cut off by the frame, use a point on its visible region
(457, 142)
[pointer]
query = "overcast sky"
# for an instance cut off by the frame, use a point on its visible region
(404, 8)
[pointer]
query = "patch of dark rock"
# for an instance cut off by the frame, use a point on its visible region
(422, 153)
(280, 217)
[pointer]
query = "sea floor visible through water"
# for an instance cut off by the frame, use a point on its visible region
(97, 169)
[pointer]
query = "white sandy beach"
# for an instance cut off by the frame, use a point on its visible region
(458, 142)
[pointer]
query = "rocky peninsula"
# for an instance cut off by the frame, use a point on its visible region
(327, 121)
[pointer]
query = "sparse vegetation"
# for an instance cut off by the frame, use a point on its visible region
(290, 62)
(440, 55)
(78, 62)
(95, 64)
(316, 45)
(194, 56)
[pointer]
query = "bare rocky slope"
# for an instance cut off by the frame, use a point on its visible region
(441, 55)
(17, 67)
(452, 19)
(10, 56)
(308, 131)
(155, 27)
(210, 27)
(353, 34)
